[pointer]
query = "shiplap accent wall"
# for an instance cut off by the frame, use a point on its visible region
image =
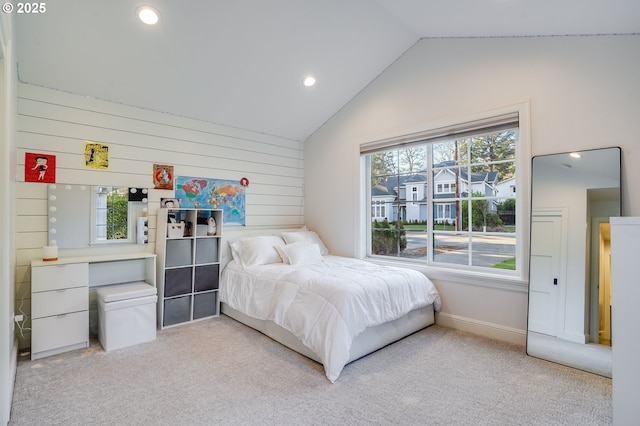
(59, 123)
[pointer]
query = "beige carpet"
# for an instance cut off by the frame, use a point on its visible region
(220, 372)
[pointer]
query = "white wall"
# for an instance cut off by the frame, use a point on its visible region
(8, 82)
(5, 295)
(59, 123)
(583, 93)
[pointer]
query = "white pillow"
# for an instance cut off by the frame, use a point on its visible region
(311, 236)
(284, 250)
(300, 253)
(260, 250)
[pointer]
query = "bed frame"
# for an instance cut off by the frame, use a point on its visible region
(370, 340)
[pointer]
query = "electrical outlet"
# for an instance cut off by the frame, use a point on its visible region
(18, 318)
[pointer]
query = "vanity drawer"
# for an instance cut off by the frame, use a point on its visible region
(59, 331)
(53, 277)
(61, 301)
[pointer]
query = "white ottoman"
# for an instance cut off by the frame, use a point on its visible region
(126, 315)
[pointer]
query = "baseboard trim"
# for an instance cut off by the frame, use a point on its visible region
(486, 329)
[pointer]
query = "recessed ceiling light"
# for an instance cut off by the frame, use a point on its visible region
(575, 155)
(148, 15)
(309, 81)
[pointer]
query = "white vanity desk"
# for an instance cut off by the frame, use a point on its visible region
(63, 301)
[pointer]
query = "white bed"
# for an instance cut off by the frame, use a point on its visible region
(331, 309)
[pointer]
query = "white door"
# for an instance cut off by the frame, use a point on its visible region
(545, 273)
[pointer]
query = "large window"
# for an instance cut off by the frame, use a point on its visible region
(444, 196)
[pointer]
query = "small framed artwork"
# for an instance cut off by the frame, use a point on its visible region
(162, 176)
(169, 203)
(96, 155)
(39, 167)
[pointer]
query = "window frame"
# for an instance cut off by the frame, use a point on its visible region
(471, 274)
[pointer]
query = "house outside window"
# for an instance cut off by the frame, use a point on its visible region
(455, 223)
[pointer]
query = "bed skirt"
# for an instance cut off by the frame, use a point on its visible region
(370, 340)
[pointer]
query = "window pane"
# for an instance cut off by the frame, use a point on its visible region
(412, 160)
(480, 182)
(417, 241)
(384, 164)
(451, 248)
(449, 153)
(444, 216)
(494, 251)
(464, 215)
(386, 239)
(384, 197)
(494, 147)
(481, 215)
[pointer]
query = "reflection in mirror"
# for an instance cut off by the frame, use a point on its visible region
(572, 197)
(81, 215)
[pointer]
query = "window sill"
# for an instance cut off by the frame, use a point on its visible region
(483, 279)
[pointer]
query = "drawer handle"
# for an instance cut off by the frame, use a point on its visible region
(61, 315)
(61, 290)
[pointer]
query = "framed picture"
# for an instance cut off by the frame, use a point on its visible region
(162, 176)
(39, 167)
(169, 203)
(96, 155)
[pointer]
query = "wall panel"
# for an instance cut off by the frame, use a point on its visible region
(59, 123)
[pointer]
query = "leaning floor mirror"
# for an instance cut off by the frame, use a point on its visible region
(573, 195)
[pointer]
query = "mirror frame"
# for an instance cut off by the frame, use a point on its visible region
(71, 215)
(588, 356)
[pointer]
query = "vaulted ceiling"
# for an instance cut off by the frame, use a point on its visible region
(241, 63)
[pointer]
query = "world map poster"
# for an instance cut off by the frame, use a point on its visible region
(203, 193)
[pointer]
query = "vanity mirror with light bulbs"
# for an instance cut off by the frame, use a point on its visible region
(82, 216)
(573, 195)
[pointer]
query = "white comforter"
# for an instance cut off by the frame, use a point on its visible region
(327, 304)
